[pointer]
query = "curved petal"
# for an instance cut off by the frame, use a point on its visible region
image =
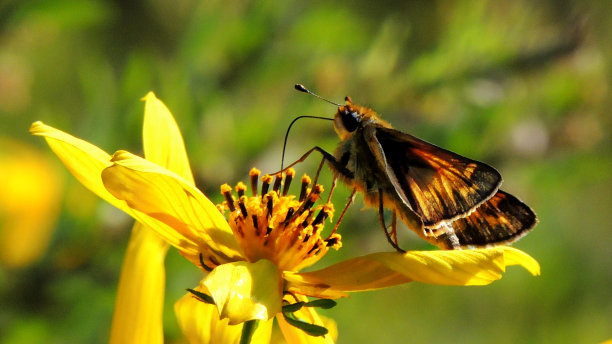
(246, 291)
(357, 274)
(138, 313)
(84, 160)
(162, 140)
(384, 269)
(294, 335)
(200, 323)
(192, 221)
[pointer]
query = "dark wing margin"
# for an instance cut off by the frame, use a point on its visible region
(439, 185)
(502, 219)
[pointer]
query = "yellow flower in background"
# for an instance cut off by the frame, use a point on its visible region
(29, 203)
(254, 254)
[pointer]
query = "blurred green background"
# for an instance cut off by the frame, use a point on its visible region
(521, 85)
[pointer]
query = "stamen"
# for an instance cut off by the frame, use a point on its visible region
(256, 225)
(314, 196)
(334, 241)
(277, 182)
(321, 216)
(240, 189)
(265, 183)
(314, 247)
(254, 174)
(243, 207)
(288, 178)
(289, 215)
(226, 190)
(269, 206)
(305, 182)
(273, 225)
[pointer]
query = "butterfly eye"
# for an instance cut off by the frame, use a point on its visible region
(350, 120)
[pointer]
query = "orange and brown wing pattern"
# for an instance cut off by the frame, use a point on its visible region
(501, 219)
(439, 185)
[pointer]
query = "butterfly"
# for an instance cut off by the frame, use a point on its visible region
(451, 201)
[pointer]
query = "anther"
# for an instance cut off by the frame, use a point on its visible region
(255, 224)
(288, 178)
(321, 216)
(332, 241)
(278, 179)
(314, 247)
(289, 215)
(265, 183)
(226, 190)
(314, 196)
(269, 206)
(240, 189)
(254, 174)
(243, 207)
(305, 182)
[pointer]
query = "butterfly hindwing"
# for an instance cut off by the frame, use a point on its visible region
(439, 185)
(500, 220)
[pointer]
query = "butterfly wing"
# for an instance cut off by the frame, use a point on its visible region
(501, 219)
(439, 185)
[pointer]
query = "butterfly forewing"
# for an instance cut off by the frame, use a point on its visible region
(501, 219)
(439, 185)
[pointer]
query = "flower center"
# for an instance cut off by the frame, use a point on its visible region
(275, 226)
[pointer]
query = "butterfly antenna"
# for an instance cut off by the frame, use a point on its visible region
(303, 88)
(287, 134)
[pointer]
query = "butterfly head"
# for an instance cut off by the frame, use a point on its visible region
(351, 117)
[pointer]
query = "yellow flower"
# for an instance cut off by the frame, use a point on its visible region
(254, 255)
(138, 308)
(29, 203)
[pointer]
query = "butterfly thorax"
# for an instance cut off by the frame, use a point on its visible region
(356, 126)
(350, 117)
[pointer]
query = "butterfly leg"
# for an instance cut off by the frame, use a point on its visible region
(394, 227)
(350, 201)
(331, 190)
(335, 164)
(381, 215)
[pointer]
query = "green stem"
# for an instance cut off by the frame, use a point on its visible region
(247, 331)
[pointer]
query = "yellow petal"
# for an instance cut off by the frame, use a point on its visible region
(294, 335)
(84, 160)
(191, 220)
(162, 140)
(138, 310)
(246, 291)
(357, 274)
(30, 199)
(513, 256)
(379, 270)
(457, 267)
(200, 323)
